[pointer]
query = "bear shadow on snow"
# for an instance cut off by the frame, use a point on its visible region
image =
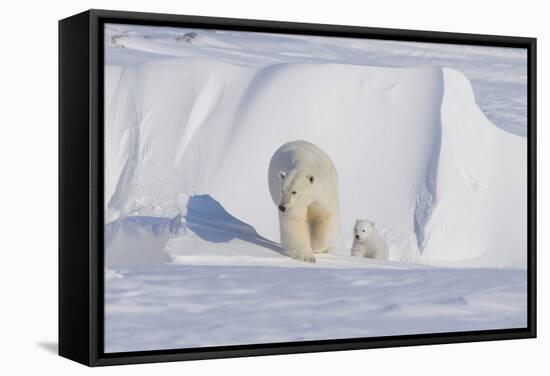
(209, 220)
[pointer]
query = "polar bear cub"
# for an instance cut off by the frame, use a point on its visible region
(304, 187)
(367, 241)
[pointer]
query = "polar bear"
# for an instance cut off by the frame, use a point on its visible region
(304, 187)
(367, 242)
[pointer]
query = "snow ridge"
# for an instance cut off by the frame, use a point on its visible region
(426, 198)
(410, 145)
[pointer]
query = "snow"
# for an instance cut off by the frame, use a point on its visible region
(498, 75)
(180, 306)
(111, 274)
(192, 121)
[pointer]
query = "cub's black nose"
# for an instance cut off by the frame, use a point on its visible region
(282, 208)
(356, 236)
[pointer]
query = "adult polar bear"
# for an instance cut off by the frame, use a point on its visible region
(304, 186)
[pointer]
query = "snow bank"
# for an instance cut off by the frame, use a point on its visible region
(481, 197)
(412, 149)
(140, 240)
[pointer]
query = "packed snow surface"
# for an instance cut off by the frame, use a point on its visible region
(192, 118)
(178, 306)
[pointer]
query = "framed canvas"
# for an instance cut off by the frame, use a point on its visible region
(234, 187)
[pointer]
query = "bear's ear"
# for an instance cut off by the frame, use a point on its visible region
(372, 223)
(282, 174)
(311, 179)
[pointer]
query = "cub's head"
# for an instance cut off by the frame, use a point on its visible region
(363, 229)
(297, 190)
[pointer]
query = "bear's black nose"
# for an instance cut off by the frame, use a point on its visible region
(282, 208)
(356, 236)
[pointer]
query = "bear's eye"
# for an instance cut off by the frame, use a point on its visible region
(363, 230)
(293, 192)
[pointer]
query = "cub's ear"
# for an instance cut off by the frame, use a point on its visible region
(282, 174)
(372, 223)
(311, 179)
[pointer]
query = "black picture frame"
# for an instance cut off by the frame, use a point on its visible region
(81, 181)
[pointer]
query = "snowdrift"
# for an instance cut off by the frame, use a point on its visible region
(413, 152)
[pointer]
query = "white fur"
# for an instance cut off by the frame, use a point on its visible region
(367, 242)
(311, 220)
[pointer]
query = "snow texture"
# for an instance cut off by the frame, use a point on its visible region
(191, 233)
(180, 306)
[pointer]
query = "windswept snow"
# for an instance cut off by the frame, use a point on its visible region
(498, 75)
(180, 306)
(191, 234)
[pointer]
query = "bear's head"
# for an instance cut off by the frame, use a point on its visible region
(298, 190)
(363, 229)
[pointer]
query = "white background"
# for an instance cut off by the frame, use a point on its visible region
(28, 185)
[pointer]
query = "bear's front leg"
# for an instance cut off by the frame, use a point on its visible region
(323, 230)
(358, 249)
(295, 237)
